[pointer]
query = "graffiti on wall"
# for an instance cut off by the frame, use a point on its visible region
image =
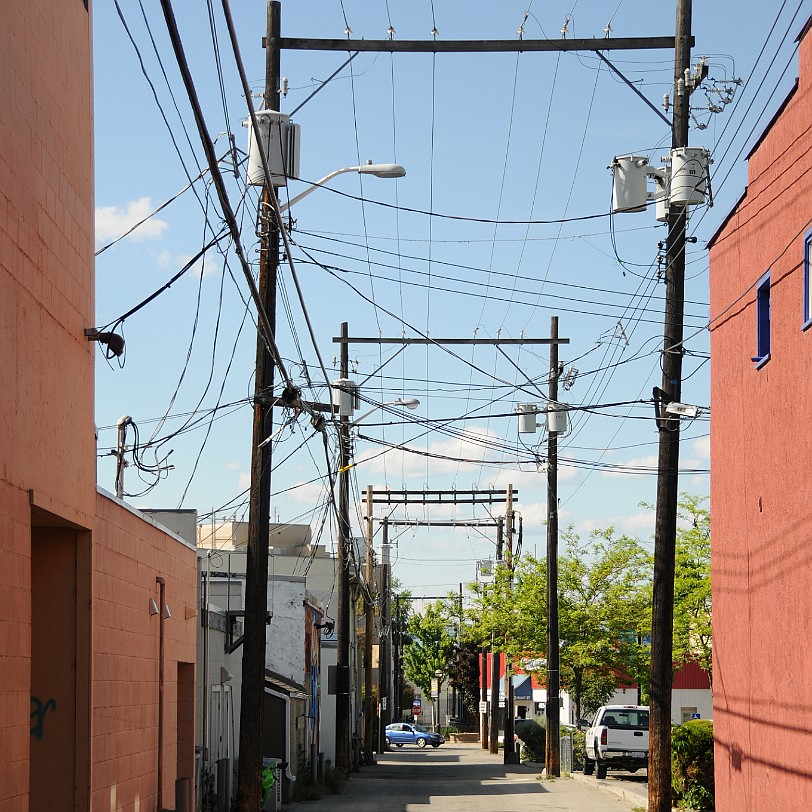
(39, 709)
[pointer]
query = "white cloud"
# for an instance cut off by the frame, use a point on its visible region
(113, 221)
(245, 479)
(701, 448)
(635, 524)
(232, 466)
(649, 462)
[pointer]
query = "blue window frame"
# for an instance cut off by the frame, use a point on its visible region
(762, 321)
(807, 281)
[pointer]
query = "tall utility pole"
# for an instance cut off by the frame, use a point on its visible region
(493, 738)
(665, 529)
(553, 755)
(344, 601)
(510, 755)
(369, 712)
(249, 790)
(385, 645)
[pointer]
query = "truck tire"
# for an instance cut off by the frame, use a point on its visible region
(589, 765)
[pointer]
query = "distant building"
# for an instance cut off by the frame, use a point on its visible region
(761, 477)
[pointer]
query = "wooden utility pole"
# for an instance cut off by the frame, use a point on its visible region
(369, 609)
(344, 600)
(483, 698)
(553, 709)
(493, 739)
(385, 644)
(510, 756)
(249, 790)
(665, 530)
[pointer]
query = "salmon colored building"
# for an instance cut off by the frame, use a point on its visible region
(761, 469)
(85, 696)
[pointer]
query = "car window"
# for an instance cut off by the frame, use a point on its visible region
(626, 719)
(421, 729)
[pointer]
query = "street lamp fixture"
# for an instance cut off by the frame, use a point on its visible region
(369, 168)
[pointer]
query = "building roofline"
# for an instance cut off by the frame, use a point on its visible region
(144, 517)
(712, 241)
(805, 30)
(776, 116)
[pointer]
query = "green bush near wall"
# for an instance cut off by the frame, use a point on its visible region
(534, 739)
(692, 764)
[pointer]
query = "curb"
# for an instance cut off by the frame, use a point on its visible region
(613, 789)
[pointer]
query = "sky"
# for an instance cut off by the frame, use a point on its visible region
(502, 221)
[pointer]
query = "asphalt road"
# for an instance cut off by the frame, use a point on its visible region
(462, 778)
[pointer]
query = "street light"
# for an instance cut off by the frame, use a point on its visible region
(369, 168)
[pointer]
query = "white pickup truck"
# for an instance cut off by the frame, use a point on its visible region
(617, 739)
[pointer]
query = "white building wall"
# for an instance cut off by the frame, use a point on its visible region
(284, 650)
(684, 701)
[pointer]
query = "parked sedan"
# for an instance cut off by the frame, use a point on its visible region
(401, 733)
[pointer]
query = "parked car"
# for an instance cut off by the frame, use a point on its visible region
(617, 740)
(401, 733)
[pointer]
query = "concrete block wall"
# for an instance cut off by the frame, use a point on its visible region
(128, 556)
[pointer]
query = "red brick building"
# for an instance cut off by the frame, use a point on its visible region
(80, 677)
(761, 477)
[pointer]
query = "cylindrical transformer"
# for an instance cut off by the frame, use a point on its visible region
(279, 139)
(527, 418)
(629, 174)
(689, 175)
(345, 396)
(557, 420)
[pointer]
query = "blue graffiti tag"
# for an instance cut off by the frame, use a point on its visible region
(38, 711)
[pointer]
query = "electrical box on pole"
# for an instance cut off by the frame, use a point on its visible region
(279, 140)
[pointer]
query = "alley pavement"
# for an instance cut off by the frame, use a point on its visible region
(465, 778)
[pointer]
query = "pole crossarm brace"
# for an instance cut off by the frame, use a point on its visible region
(443, 523)
(491, 341)
(431, 497)
(475, 46)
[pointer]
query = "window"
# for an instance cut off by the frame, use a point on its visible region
(686, 714)
(762, 321)
(807, 281)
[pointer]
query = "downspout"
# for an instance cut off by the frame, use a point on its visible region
(161, 619)
(288, 774)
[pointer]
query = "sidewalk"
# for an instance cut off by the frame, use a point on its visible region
(462, 778)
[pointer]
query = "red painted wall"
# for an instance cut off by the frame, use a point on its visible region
(46, 301)
(128, 555)
(77, 640)
(761, 479)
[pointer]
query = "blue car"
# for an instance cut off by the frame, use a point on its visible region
(401, 733)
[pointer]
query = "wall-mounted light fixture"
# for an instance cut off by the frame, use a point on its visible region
(153, 607)
(113, 341)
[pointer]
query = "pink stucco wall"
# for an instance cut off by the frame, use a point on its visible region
(761, 479)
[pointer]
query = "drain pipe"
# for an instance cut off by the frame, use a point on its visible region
(161, 619)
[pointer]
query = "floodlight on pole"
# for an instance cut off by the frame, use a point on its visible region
(369, 168)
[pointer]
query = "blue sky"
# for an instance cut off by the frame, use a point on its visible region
(485, 139)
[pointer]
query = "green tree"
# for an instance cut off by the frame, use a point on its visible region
(692, 585)
(604, 611)
(604, 615)
(430, 647)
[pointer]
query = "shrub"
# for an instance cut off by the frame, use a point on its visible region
(692, 764)
(447, 731)
(578, 739)
(534, 739)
